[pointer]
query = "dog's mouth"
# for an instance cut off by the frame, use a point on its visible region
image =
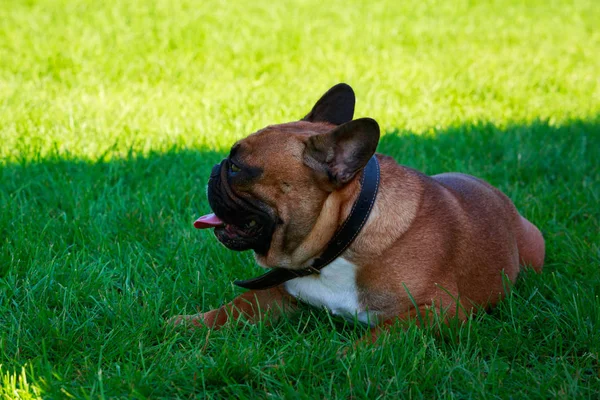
(240, 222)
(250, 228)
(250, 233)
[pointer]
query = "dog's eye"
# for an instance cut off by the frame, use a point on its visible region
(234, 168)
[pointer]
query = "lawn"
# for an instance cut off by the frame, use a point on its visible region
(113, 112)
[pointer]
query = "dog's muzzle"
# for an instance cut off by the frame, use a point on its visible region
(248, 223)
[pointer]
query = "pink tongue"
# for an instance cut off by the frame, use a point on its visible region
(208, 221)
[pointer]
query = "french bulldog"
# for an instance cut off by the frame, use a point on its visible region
(445, 244)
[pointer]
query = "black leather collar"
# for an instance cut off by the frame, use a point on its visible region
(341, 240)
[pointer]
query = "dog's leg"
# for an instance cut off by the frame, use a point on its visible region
(384, 326)
(252, 306)
(423, 316)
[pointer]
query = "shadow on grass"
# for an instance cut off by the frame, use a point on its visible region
(94, 255)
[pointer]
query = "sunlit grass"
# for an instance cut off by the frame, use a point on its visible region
(113, 112)
(16, 386)
(90, 77)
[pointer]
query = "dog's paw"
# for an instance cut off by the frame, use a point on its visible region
(208, 319)
(191, 321)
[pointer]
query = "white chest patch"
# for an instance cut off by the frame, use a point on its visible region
(335, 289)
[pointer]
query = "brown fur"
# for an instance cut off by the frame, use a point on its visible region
(445, 241)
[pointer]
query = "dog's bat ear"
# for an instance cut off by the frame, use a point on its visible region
(341, 153)
(335, 107)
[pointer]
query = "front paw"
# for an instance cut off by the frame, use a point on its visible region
(208, 319)
(187, 320)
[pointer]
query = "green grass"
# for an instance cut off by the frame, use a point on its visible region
(113, 112)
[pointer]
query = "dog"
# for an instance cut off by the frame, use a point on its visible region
(343, 228)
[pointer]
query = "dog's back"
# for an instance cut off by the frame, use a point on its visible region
(464, 237)
(494, 237)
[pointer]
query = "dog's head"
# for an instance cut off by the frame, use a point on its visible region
(268, 194)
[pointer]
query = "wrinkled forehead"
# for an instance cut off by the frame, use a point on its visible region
(276, 142)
